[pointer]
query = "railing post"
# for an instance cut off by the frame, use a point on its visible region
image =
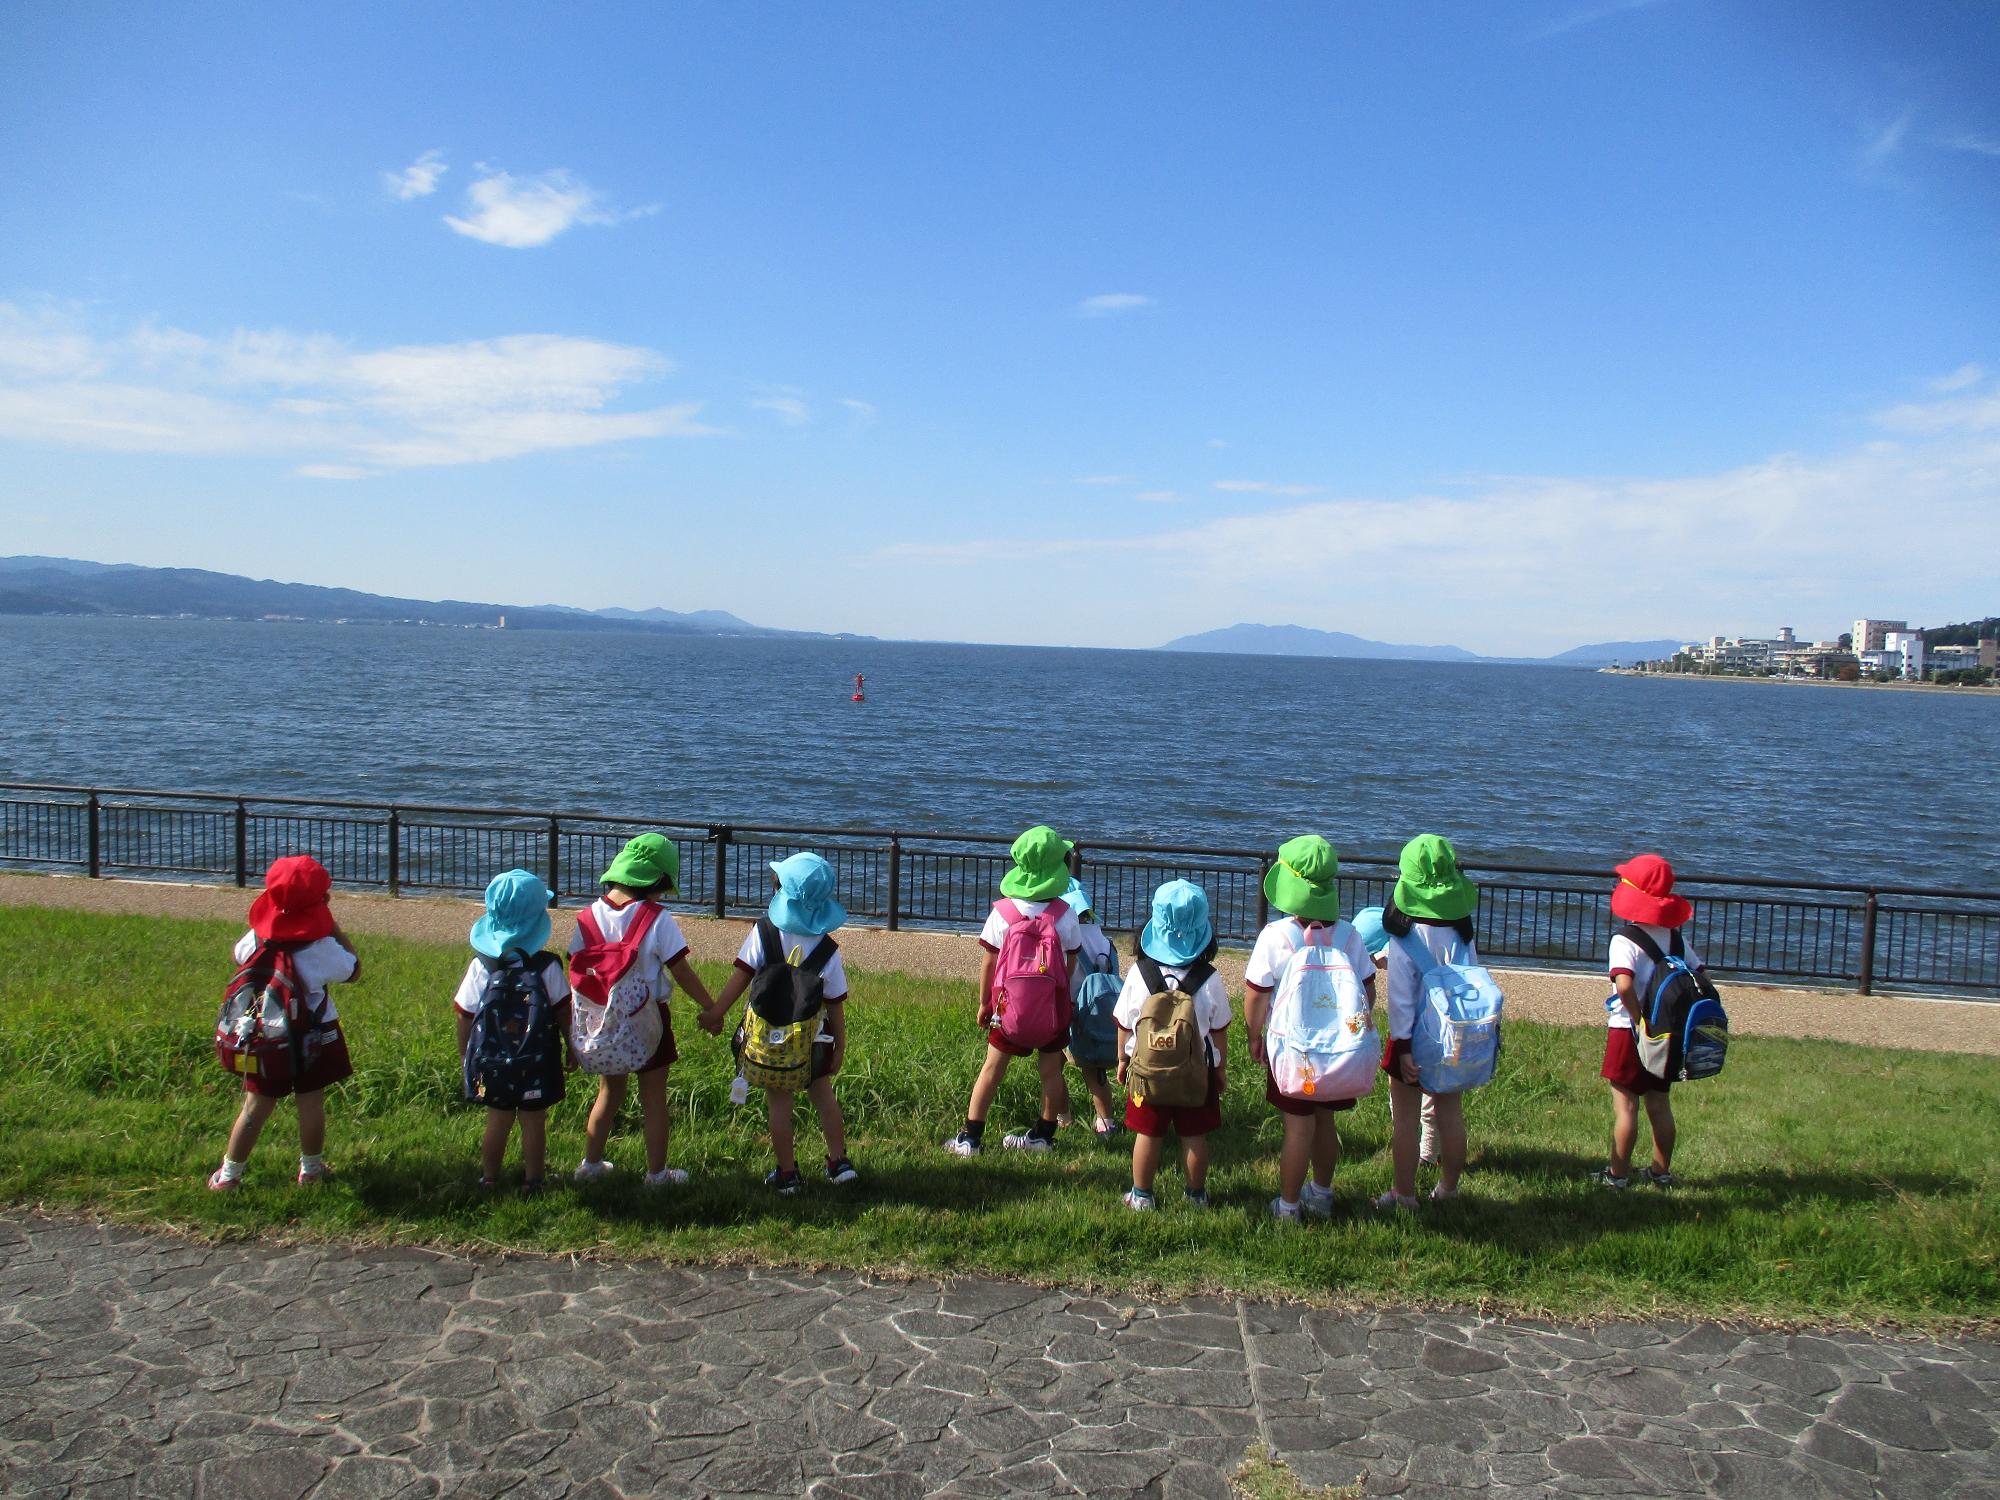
(1868, 911)
(1263, 900)
(895, 882)
(242, 844)
(395, 852)
(1075, 861)
(95, 855)
(720, 836)
(555, 861)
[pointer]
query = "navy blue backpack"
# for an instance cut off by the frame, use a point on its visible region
(1683, 1031)
(1093, 1032)
(514, 1045)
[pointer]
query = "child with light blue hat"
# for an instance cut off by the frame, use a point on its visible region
(1093, 1031)
(795, 933)
(1172, 989)
(513, 1014)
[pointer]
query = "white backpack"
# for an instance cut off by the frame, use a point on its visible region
(1321, 1033)
(614, 1024)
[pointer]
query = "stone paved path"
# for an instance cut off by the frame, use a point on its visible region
(134, 1364)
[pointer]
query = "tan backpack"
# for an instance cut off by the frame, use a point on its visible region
(1169, 1063)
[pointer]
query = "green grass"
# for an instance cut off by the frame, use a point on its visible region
(1262, 1477)
(1822, 1182)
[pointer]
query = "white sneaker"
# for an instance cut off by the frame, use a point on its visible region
(667, 1177)
(1283, 1212)
(1023, 1140)
(1393, 1200)
(962, 1145)
(591, 1171)
(1139, 1201)
(1317, 1200)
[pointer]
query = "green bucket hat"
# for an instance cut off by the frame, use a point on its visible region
(1431, 886)
(645, 862)
(1301, 883)
(1041, 865)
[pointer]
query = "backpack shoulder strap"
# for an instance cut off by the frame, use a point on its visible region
(1197, 976)
(1674, 944)
(586, 923)
(1010, 910)
(822, 954)
(1056, 910)
(649, 913)
(1643, 939)
(1418, 952)
(1150, 972)
(771, 942)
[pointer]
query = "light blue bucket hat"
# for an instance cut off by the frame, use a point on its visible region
(516, 919)
(1368, 922)
(1179, 932)
(1077, 899)
(804, 900)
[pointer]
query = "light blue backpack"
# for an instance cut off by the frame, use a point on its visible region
(1320, 1037)
(1456, 1040)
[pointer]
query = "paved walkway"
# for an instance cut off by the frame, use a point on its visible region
(134, 1364)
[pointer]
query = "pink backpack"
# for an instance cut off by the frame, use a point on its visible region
(1031, 1001)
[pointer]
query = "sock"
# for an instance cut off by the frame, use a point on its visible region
(232, 1171)
(975, 1131)
(1044, 1128)
(311, 1163)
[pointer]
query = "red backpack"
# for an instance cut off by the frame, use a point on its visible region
(1031, 998)
(264, 1029)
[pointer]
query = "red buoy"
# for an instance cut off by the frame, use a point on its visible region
(859, 696)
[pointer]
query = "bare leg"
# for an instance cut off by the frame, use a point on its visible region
(1055, 1087)
(493, 1145)
(1296, 1154)
(988, 1083)
(1624, 1129)
(312, 1123)
(1406, 1107)
(603, 1115)
(249, 1125)
(1194, 1158)
(1099, 1084)
(1146, 1151)
(1450, 1117)
(1660, 1114)
(1325, 1147)
(654, 1118)
(534, 1143)
(779, 1112)
(827, 1107)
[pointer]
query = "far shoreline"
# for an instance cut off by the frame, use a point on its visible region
(1822, 682)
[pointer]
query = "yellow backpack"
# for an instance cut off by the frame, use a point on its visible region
(781, 1018)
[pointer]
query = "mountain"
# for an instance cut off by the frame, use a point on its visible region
(1609, 653)
(67, 586)
(1298, 640)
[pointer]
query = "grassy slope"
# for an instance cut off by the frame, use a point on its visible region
(1823, 1182)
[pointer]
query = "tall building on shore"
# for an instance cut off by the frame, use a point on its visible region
(1872, 635)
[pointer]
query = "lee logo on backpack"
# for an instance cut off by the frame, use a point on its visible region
(1093, 1030)
(1320, 1037)
(774, 1045)
(613, 1023)
(264, 1030)
(1456, 1040)
(1031, 1006)
(1169, 1064)
(1683, 1031)
(513, 1045)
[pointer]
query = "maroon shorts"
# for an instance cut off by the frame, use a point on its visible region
(1185, 1120)
(666, 1053)
(332, 1065)
(1394, 1050)
(1015, 1049)
(1292, 1105)
(1622, 1065)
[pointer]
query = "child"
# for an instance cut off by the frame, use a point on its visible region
(1302, 885)
(645, 869)
(507, 966)
(1095, 957)
(1644, 896)
(1029, 894)
(802, 912)
(1434, 903)
(1177, 945)
(293, 914)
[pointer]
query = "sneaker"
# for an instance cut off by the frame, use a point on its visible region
(217, 1183)
(1317, 1200)
(1139, 1200)
(1607, 1178)
(1195, 1197)
(787, 1183)
(487, 1184)
(1657, 1179)
(670, 1177)
(962, 1144)
(1439, 1194)
(318, 1173)
(1027, 1140)
(534, 1187)
(1065, 1118)
(1395, 1200)
(1283, 1212)
(592, 1171)
(841, 1171)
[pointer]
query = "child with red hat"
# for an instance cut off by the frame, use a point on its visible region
(292, 913)
(1644, 900)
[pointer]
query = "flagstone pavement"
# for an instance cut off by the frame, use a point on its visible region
(140, 1364)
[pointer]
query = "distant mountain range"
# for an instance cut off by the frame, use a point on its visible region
(69, 586)
(1299, 640)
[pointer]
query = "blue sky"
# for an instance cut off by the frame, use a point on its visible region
(1513, 325)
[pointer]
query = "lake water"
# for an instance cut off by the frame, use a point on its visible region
(1527, 764)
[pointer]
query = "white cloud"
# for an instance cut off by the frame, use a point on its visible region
(1265, 487)
(1589, 15)
(1957, 380)
(790, 410)
(1969, 140)
(1157, 497)
(523, 212)
(1106, 479)
(332, 471)
(1522, 566)
(337, 408)
(1881, 143)
(1217, 443)
(863, 412)
(419, 179)
(1109, 304)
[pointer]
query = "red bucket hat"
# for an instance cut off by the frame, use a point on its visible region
(1645, 893)
(293, 907)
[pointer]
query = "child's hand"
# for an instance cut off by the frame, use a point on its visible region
(1407, 1066)
(1257, 1054)
(833, 1063)
(985, 1019)
(1221, 1082)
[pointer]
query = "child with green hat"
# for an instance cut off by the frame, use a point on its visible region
(1302, 884)
(1433, 903)
(1030, 940)
(628, 926)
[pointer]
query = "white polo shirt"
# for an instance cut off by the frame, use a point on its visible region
(1627, 957)
(1211, 1003)
(319, 963)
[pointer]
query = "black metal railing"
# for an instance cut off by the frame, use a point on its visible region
(1864, 936)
